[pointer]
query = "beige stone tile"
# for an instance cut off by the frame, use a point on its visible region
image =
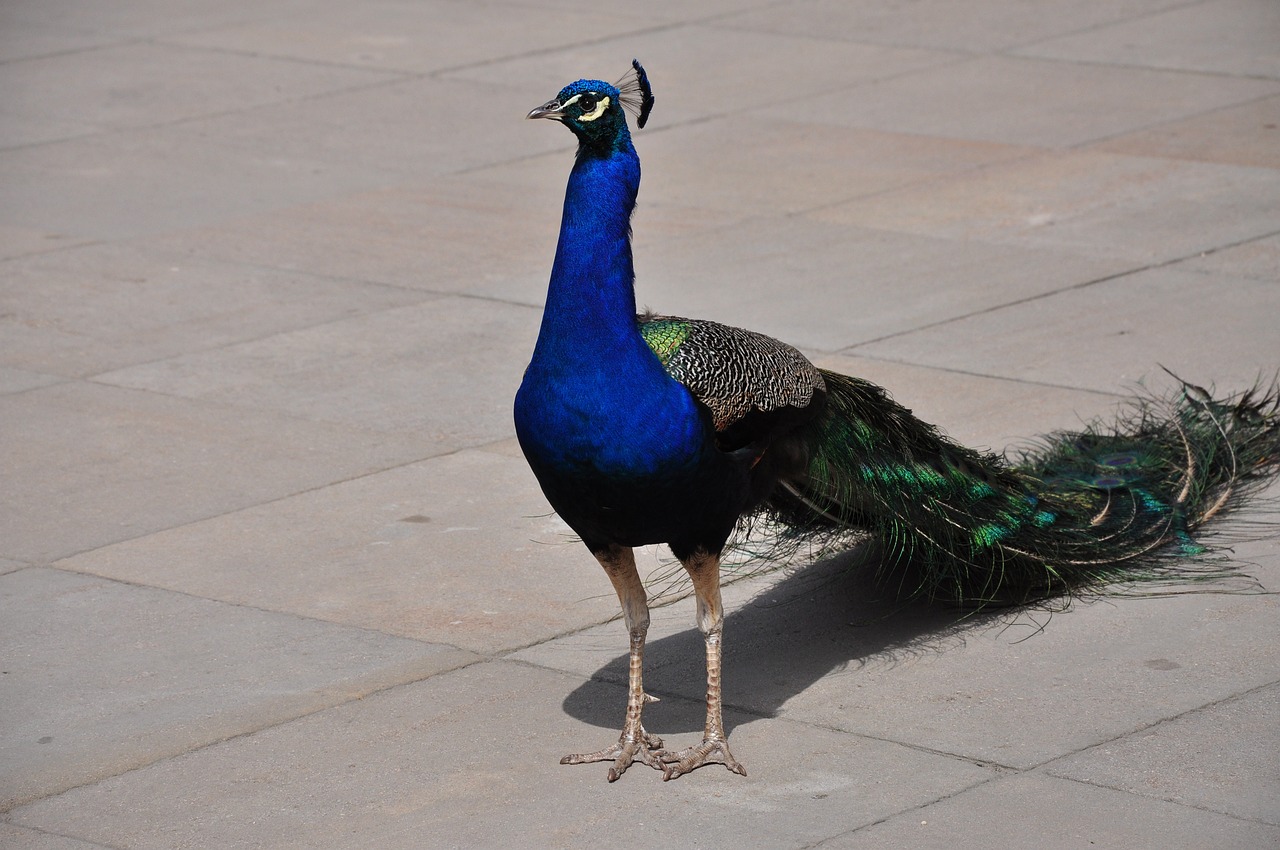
(1145, 209)
(1248, 135)
(1183, 760)
(86, 464)
(87, 310)
(1013, 812)
(461, 550)
(1224, 37)
(698, 71)
(102, 678)
(1023, 101)
(972, 27)
(437, 757)
(445, 369)
(420, 37)
(1206, 328)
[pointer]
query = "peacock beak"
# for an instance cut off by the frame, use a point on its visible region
(550, 109)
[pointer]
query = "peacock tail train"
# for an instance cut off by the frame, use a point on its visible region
(1114, 503)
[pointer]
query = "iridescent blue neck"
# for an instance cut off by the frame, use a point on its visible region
(591, 298)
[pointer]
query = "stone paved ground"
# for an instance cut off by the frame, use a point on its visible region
(275, 575)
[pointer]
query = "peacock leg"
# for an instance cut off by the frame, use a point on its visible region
(619, 563)
(704, 569)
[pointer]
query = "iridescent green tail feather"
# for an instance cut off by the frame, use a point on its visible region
(1112, 504)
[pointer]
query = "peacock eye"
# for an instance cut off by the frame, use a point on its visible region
(587, 103)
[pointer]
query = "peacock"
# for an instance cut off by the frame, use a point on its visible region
(652, 429)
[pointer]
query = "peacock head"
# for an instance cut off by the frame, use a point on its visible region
(594, 109)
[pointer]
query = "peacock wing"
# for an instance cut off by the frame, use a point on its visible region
(751, 383)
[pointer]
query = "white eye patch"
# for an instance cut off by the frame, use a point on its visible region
(597, 112)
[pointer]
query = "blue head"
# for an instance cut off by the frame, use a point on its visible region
(595, 110)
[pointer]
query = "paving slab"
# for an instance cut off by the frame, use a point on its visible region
(445, 369)
(87, 310)
(1235, 37)
(461, 549)
(142, 181)
(1146, 209)
(980, 412)
(734, 69)
(435, 759)
(468, 233)
(1042, 811)
(1208, 329)
(141, 18)
(793, 165)
(828, 286)
(1183, 759)
(103, 677)
(1248, 134)
(20, 838)
(88, 464)
(973, 27)
(146, 83)
(421, 37)
(820, 647)
(1258, 259)
(19, 380)
(1026, 101)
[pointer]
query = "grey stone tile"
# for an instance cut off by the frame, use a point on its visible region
(1145, 209)
(19, 380)
(438, 756)
(88, 464)
(1248, 134)
(699, 71)
(421, 37)
(972, 27)
(25, 39)
(143, 181)
(1259, 259)
(18, 241)
(1224, 36)
(18, 838)
(146, 19)
(829, 285)
(8, 566)
(1053, 814)
(446, 369)
(470, 233)
(816, 645)
(983, 413)
(461, 549)
(785, 166)
(1024, 101)
(404, 132)
(145, 83)
(1208, 329)
(1221, 758)
(103, 678)
(87, 310)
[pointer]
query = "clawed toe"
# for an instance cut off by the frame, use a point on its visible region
(713, 751)
(645, 748)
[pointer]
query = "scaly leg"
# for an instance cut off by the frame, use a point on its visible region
(704, 569)
(619, 563)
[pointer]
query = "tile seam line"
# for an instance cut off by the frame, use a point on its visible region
(1027, 382)
(1181, 803)
(1072, 288)
(246, 732)
(1047, 765)
(1155, 125)
(95, 845)
(266, 502)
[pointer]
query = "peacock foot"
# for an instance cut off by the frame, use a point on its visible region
(679, 763)
(644, 748)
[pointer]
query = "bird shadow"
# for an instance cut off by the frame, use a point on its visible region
(822, 618)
